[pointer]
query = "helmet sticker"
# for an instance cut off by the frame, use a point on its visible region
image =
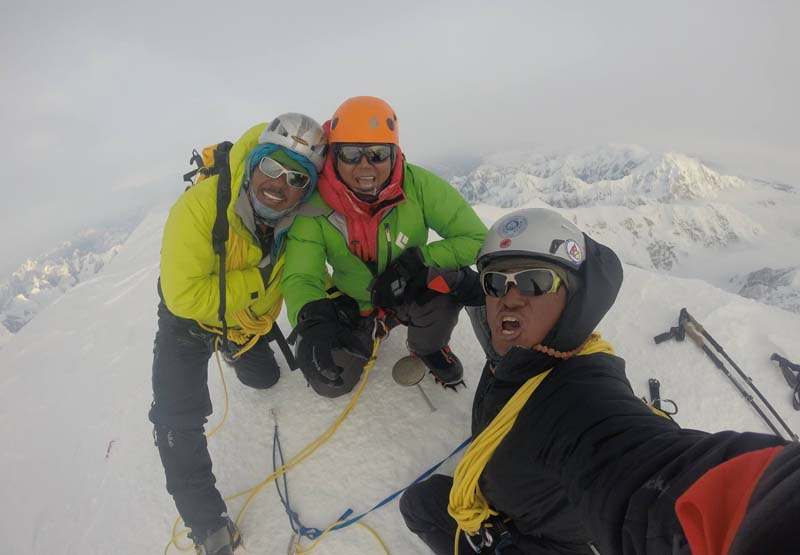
(573, 250)
(373, 122)
(513, 226)
(505, 243)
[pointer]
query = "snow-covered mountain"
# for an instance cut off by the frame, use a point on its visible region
(42, 280)
(662, 211)
(615, 175)
(83, 476)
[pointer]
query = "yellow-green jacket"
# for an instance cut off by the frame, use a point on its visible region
(189, 267)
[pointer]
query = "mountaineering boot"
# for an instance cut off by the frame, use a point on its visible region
(445, 367)
(222, 541)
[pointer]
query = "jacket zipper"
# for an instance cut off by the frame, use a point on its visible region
(388, 246)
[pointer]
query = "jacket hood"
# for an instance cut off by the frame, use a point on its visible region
(238, 156)
(601, 278)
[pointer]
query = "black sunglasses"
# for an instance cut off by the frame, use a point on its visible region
(352, 154)
(531, 283)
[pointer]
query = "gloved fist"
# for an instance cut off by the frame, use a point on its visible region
(463, 284)
(402, 281)
(321, 331)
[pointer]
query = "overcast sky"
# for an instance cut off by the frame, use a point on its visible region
(101, 102)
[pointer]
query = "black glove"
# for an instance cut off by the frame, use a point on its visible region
(463, 284)
(402, 281)
(322, 329)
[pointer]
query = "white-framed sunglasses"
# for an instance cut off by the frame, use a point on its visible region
(531, 283)
(274, 169)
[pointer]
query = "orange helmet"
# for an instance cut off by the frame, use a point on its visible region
(364, 119)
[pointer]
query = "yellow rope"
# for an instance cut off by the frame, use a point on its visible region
(251, 327)
(224, 388)
(467, 505)
(306, 452)
(377, 537)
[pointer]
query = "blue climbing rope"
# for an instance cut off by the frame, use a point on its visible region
(313, 533)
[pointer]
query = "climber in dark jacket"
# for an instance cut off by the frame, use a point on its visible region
(565, 458)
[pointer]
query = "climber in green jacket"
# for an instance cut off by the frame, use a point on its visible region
(375, 213)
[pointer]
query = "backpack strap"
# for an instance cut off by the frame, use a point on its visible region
(219, 233)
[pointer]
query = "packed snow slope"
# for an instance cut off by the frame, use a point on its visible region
(81, 475)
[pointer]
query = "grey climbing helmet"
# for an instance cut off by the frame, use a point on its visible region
(298, 133)
(536, 233)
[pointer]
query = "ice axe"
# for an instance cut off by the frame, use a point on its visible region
(409, 371)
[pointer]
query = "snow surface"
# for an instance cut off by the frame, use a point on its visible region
(82, 476)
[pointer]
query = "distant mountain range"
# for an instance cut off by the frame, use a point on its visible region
(666, 212)
(614, 175)
(40, 281)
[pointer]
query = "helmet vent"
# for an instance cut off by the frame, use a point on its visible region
(555, 244)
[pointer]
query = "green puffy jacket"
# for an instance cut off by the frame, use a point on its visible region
(189, 267)
(431, 203)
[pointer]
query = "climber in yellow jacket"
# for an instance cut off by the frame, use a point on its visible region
(272, 169)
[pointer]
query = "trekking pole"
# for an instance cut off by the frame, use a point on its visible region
(697, 337)
(791, 372)
(690, 319)
(678, 332)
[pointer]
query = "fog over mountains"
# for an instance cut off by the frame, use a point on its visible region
(667, 212)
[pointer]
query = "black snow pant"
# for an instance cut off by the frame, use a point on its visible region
(430, 326)
(424, 508)
(181, 405)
